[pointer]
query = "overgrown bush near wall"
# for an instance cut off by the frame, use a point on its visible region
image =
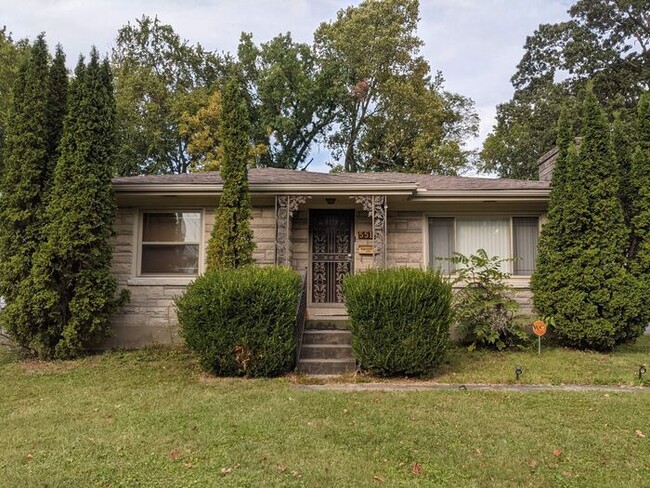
(240, 322)
(399, 319)
(484, 307)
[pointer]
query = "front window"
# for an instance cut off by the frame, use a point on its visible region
(170, 243)
(505, 237)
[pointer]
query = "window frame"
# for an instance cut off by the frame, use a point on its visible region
(139, 242)
(494, 215)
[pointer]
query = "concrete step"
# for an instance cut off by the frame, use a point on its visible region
(328, 336)
(326, 366)
(326, 351)
(327, 322)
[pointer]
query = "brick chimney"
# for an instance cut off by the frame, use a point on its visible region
(546, 163)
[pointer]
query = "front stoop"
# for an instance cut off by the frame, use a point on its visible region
(326, 347)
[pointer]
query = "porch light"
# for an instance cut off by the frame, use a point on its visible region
(330, 201)
(519, 370)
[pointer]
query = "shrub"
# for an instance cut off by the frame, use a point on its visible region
(240, 322)
(399, 319)
(484, 308)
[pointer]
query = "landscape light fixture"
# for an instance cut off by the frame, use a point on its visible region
(642, 371)
(519, 370)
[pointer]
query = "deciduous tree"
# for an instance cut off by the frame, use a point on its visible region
(158, 78)
(389, 98)
(607, 42)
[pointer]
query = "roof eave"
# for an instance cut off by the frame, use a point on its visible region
(536, 194)
(276, 189)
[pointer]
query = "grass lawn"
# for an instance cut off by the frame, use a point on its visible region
(555, 365)
(150, 418)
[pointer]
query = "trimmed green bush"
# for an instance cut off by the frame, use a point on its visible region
(399, 319)
(240, 322)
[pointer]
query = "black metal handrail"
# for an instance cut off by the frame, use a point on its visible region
(301, 310)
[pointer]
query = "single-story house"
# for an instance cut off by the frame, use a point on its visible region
(326, 225)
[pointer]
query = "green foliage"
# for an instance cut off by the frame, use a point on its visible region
(57, 103)
(240, 322)
(72, 294)
(399, 319)
(640, 197)
(294, 98)
(605, 42)
(158, 78)
(393, 116)
(484, 309)
(582, 280)
(231, 243)
(12, 54)
(22, 187)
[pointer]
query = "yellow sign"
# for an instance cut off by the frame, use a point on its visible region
(539, 328)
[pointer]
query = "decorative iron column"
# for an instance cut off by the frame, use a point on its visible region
(285, 206)
(376, 207)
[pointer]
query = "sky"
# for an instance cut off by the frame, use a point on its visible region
(476, 44)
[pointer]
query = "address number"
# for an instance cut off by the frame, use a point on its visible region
(364, 234)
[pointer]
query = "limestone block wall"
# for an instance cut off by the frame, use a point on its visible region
(150, 315)
(405, 239)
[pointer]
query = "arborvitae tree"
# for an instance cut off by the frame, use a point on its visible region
(74, 294)
(582, 280)
(231, 243)
(622, 145)
(56, 108)
(21, 190)
(641, 177)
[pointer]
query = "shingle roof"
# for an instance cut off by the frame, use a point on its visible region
(276, 176)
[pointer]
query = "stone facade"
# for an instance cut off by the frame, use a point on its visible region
(150, 315)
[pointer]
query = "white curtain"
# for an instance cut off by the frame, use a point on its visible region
(493, 235)
(525, 233)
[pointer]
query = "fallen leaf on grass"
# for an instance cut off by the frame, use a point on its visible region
(416, 469)
(188, 465)
(639, 434)
(30, 456)
(557, 452)
(226, 471)
(567, 474)
(296, 474)
(533, 464)
(378, 479)
(175, 454)
(281, 468)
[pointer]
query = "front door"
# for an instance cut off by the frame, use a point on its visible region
(331, 253)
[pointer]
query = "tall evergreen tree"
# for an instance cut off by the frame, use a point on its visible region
(23, 181)
(641, 176)
(56, 108)
(73, 291)
(582, 280)
(231, 243)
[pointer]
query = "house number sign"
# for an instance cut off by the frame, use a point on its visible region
(364, 234)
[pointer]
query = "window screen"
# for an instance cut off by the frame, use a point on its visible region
(170, 243)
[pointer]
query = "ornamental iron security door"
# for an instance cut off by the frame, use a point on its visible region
(331, 253)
